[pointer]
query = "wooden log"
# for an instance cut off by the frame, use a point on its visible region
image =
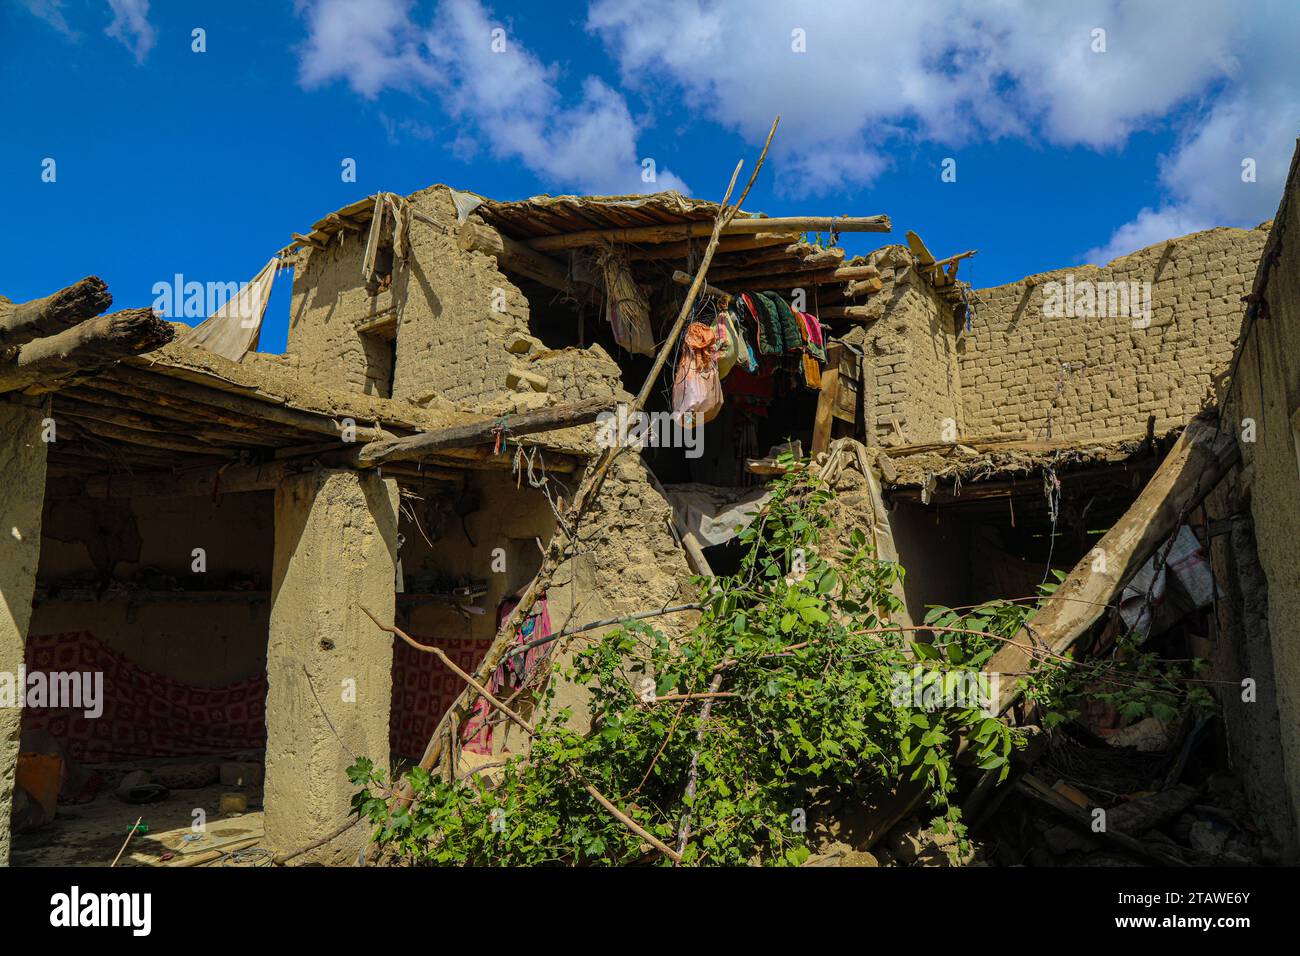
(518, 258)
(1037, 789)
(477, 433)
(41, 365)
(23, 321)
(686, 230)
(1196, 463)
(792, 267)
(135, 436)
(116, 395)
(853, 313)
(164, 383)
(683, 249)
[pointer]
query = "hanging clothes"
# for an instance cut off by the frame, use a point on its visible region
(725, 346)
(697, 389)
(766, 326)
(814, 339)
(791, 340)
(744, 354)
(513, 672)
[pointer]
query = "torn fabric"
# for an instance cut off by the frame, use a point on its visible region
(232, 331)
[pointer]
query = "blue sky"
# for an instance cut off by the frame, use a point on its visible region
(202, 163)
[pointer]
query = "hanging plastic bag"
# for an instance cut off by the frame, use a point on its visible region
(725, 347)
(697, 390)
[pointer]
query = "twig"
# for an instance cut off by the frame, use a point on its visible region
(130, 833)
(282, 858)
(522, 724)
(524, 648)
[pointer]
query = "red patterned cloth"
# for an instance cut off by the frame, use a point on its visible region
(423, 689)
(145, 714)
(149, 715)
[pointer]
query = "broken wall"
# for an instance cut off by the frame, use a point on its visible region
(1263, 410)
(913, 382)
(146, 546)
(1099, 370)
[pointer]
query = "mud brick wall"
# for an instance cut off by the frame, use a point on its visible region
(1265, 393)
(454, 314)
(1025, 372)
(913, 376)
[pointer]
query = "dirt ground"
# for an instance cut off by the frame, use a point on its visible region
(90, 834)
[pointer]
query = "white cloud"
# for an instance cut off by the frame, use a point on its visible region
(51, 11)
(1149, 227)
(372, 45)
(131, 27)
(954, 72)
(505, 99)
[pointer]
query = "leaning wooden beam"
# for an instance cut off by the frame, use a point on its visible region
(41, 365)
(414, 447)
(1196, 463)
(23, 321)
(736, 227)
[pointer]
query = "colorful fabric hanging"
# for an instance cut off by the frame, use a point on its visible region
(744, 354)
(791, 340)
(814, 341)
(696, 386)
(770, 341)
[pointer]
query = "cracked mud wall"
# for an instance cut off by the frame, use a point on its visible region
(1023, 371)
(22, 488)
(1265, 394)
(913, 381)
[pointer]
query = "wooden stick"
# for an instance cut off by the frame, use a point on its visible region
(678, 231)
(41, 364)
(130, 833)
(459, 436)
(23, 321)
(522, 724)
(280, 859)
(525, 648)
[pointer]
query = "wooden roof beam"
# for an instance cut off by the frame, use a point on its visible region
(670, 232)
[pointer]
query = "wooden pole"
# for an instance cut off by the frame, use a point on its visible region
(23, 321)
(732, 227)
(42, 364)
(130, 833)
(459, 436)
